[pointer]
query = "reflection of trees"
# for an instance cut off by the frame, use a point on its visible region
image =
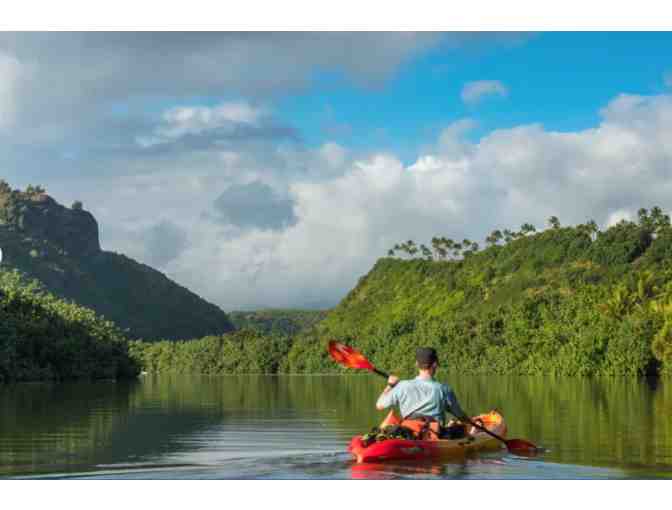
(42, 425)
(596, 421)
(65, 427)
(587, 421)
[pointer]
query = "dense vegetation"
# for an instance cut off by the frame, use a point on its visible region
(277, 321)
(567, 300)
(259, 346)
(59, 246)
(240, 352)
(45, 338)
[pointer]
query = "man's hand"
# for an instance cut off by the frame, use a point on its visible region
(391, 382)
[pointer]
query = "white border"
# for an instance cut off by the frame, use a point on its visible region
(336, 15)
(331, 495)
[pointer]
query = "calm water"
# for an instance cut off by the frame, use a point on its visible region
(298, 427)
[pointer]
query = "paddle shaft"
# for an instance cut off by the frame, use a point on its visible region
(467, 419)
(474, 424)
(381, 373)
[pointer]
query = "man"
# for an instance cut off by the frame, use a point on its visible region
(422, 401)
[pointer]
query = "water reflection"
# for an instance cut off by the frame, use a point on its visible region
(262, 426)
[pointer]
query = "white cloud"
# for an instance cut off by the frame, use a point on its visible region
(350, 208)
(474, 91)
(333, 155)
(194, 120)
(618, 216)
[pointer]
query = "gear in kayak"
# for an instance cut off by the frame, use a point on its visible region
(392, 442)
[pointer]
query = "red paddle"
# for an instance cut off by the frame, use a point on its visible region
(352, 358)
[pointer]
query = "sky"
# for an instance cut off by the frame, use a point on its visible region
(268, 169)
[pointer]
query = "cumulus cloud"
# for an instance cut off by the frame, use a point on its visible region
(303, 233)
(475, 91)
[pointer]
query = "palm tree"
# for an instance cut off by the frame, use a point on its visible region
(494, 237)
(436, 243)
(643, 215)
(405, 248)
(527, 228)
(508, 236)
(412, 249)
(646, 286)
(592, 229)
(448, 245)
(554, 222)
(658, 219)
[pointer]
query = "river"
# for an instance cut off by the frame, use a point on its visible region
(297, 427)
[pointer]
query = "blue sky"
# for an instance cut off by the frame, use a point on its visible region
(558, 79)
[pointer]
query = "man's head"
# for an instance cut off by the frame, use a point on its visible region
(426, 358)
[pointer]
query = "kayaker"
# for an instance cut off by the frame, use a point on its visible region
(422, 401)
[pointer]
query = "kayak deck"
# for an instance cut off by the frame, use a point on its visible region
(405, 449)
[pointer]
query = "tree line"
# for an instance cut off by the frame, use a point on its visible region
(443, 248)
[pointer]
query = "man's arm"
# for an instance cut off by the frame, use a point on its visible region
(454, 407)
(387, 397)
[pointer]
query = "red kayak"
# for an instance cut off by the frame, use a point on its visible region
(405, 449)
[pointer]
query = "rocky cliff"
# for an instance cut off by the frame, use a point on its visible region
(37, 215)
(60, 247)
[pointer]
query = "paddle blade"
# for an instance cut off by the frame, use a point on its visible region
(522, 447)
(347, 356)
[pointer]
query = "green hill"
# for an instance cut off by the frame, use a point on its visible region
(59, 246)
(565, 301)
(43, 337)
(277, 321)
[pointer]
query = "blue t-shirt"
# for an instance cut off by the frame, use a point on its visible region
(422, 396)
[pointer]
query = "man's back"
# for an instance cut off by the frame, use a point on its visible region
(422, 396)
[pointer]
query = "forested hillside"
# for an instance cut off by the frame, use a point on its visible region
(43, 337)
(568, 300)
(60, 247)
